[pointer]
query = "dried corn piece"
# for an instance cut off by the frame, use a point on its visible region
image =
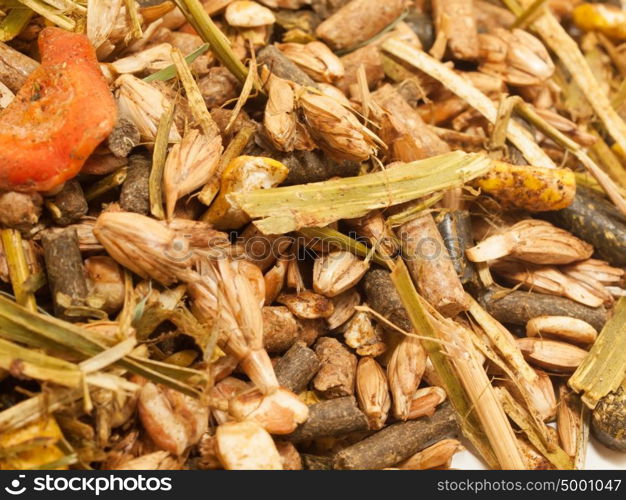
(536, 189)
(34, 445)
(244, 173)
(607, 19)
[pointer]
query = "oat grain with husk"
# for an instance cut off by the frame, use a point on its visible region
(309, 234)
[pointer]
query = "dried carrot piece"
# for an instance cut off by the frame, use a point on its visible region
(58, 117)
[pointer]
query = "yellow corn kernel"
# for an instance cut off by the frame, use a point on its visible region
(34, 445)
(607, 19)
(244, 173)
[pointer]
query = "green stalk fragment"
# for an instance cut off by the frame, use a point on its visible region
(210, 33)
(34, 408)
(135, 22)
(318, 204)
(602, 370)
(409, 214)
(13, 24)
(18, 268)
(233, 150)
(528, 14)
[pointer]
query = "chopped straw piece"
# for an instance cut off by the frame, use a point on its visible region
(319, 204)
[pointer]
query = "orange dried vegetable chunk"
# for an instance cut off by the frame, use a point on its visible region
(56, 120)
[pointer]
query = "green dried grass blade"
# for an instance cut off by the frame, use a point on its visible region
(318, 204)
(107, 183)
(210, 33)
(36, 407)
(602, 371)
(13, 24)
(170, 72)
(20, 325)
(528, 14)
(29, 363)
(18, 267)
(135, 22)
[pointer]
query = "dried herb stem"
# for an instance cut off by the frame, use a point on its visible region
(516, 412)
(196, 102)
(18, 268)
(410, 213)
(21, 325)
(39, 366)
(528, 14)
(133, 15)
(159, 155)
(50, 13)
(329, 235)
(36, 407)
(468, 420)
(604, 155)
(170, 71)
(106, 184)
